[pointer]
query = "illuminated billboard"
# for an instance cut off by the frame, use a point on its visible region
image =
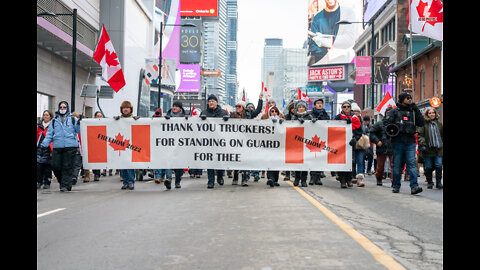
(329, 42)
(206, 8)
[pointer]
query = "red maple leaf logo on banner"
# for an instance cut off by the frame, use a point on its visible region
(430, 14)
(111, 58)
(119, 144)
(316, 147)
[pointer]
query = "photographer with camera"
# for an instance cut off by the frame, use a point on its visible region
(406, 117)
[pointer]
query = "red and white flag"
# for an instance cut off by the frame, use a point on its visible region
(303, 96)
(426, 18)
(386, 102)
(107, 58)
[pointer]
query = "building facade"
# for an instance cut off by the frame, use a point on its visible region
(231, 89)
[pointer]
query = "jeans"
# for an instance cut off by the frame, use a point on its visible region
(360, 160)
(161, 173)
(404, 152)
(128, 176)
(211, 175)
(432, 163)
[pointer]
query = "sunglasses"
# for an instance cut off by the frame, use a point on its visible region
(63, 107)
(273, 111)
(343, 107)
(408, 98)
(238, 106)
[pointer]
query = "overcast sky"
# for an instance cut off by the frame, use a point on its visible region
(257, 20)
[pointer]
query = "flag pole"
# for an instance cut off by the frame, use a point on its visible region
(411, 50)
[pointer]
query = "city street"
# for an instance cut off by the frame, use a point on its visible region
(99, 226)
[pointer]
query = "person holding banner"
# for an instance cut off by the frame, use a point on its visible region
(318, 113)
(272, 176)
(301, 115)
(215, 111)
(242, 112)
(160, 174)
(63, 133)
(176, 111)
(346, 114)
(44, 155)
(128, 175)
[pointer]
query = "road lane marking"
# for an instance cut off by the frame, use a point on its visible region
(376, 252)
(50, 212)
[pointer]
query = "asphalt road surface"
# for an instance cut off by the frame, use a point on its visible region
(99, 226)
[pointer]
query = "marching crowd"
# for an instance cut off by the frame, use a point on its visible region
(58, 148)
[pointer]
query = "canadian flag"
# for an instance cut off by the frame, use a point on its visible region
(195, 111)
(386, 102)
(303, 96)
(107, 58)
(425, 17)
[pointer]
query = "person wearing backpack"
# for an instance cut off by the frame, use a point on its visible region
(63, 135)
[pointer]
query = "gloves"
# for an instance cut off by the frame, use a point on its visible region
(274, 120)
(349, 120)
(314, 120)
(116, 117)
(301, 120)
(136, 117)
(225, 118)
(352, 142)
(422, 148)
(167, 116)
(280, 120)
(186, 117)
(203, 116)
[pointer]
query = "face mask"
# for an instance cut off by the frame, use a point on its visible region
(62, 111)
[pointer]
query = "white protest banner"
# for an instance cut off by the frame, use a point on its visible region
(158, 143)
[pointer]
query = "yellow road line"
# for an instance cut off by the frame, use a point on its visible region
(376, 252)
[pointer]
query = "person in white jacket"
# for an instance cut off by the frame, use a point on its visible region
(329, 42)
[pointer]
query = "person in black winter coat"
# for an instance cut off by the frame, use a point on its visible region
(383, 147)
(44, 154)
(406, 116)
(176, 111)
(318, 113)
(301, 115)
(215, 111)
(242, 112)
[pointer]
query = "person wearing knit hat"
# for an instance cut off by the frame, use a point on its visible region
(318, 113)
(301, 115)
(176, 111)
(128, 175)
(407, 117)
(212, 96)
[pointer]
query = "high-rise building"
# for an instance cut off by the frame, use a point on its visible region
(215, 52)
(231, 69)
(271, 52)
(291, 73)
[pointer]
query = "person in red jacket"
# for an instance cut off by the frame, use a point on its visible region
(44, 155)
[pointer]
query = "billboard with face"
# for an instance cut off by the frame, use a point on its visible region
(329, 42)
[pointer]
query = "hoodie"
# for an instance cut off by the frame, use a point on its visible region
(63, 130)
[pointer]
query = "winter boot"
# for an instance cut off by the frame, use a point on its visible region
(270, 182)
(244, 180)
(177, 183)
(360, 182)
(438, 178)
(312, 179)
(428, 176)
(168, 183)
(235, 179)
(295, 182)
(379, 181)
(343, 183)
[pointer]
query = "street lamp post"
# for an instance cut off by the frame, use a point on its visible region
(372, 79)
(160, 57)
(74, 48)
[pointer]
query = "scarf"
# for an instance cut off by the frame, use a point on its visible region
(434, 140)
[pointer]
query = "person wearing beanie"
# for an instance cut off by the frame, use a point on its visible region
(272, 176)
(62, 133)
(214, 110)
(128, 175)
(242, 112)
(359, 154)
(301, 115)
(318, 113)
(407, 117)
(176, 111)
(346, 114)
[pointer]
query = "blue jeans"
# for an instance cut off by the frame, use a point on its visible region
(433, 162)
(404, 152)
(360, 160)
(160, 173)
(128, 176)
(211, 175)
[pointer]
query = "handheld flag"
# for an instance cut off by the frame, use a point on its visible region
(386, 102)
